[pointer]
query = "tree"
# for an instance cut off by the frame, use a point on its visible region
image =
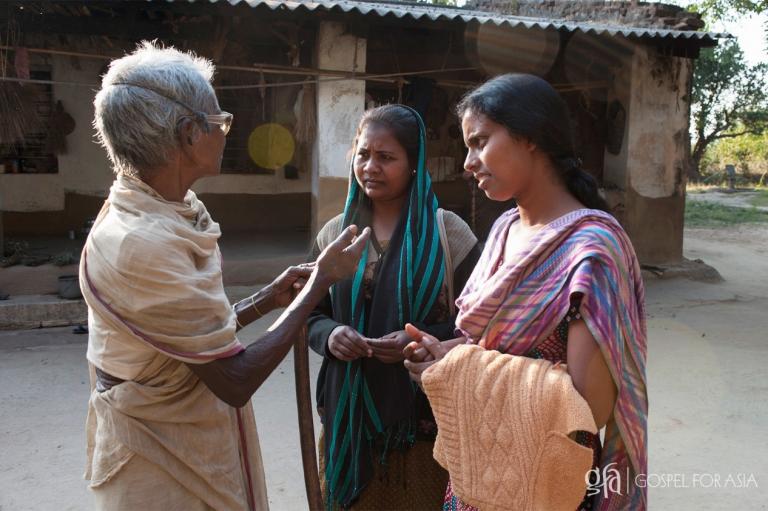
(718, 10)
(749, 153)
(721, 9)
(729, 99)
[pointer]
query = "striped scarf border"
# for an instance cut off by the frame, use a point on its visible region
(587, 253)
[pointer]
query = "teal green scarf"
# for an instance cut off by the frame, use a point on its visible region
(375, 401)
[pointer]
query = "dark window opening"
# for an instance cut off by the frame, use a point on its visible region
(262, 139)
(27, 142)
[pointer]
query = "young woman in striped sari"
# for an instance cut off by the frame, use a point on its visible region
(558, 278)
(378, 430)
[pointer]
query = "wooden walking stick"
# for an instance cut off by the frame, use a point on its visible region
(306, 423)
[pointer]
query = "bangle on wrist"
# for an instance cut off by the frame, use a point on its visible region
(253, 304)
(237, 319)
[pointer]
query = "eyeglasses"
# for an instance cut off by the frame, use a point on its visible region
(223, 120)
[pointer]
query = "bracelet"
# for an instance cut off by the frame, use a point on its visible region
(237, 320)
(253, 304)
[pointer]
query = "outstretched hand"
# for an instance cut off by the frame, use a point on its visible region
(286, 286)
(339, 260)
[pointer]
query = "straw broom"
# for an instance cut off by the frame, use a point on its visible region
(306, 123)
(18, 113)
(17, 103)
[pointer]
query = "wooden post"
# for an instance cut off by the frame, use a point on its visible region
(730, 175)
(306, 423)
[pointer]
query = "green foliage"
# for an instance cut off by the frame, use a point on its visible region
(726, 9)
(749, 153)
(761, 199)
(708, 214)
(729, 117)
(728, 92)
(729, 10)
(729, 97)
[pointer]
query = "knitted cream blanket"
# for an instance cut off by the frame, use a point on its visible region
(503, 424)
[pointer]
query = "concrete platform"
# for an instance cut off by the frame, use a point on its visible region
(39, 311)
(33, 280)
(248, 258)
(253, 258)
(43, 311)
(692, 269)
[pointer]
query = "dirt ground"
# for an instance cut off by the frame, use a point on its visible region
(708, 344)
(708, 394)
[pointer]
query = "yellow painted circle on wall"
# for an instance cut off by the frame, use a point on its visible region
(271, 146)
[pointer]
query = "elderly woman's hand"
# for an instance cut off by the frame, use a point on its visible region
(339, 260)
(285, 287)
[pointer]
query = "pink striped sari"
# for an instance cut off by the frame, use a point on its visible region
(512, 306)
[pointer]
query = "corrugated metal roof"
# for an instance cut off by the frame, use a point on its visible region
(433, 12)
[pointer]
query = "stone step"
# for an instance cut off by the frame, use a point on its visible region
(39, 311)
(43, 280)
(44, 311)
(246, 260)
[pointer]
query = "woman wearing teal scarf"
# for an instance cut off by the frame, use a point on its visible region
(378, 428)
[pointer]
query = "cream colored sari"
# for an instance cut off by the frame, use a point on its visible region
(151, 276)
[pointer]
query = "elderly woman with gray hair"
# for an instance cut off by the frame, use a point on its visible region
(169, 426)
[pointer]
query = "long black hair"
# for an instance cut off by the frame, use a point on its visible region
(531, 108)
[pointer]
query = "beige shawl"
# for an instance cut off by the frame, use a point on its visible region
(503, 423)
(151, 276)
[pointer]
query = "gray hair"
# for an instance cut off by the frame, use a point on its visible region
(143, 97)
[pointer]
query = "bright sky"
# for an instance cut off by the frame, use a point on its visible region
(749, 30)
(751, 33)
